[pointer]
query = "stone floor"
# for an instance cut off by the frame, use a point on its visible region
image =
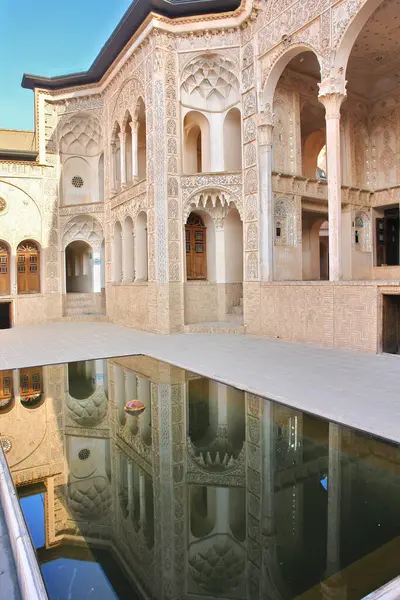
(354, 389)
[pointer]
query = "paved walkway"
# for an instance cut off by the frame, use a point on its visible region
(354, 389)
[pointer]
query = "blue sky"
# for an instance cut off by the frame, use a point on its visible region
(48, 39)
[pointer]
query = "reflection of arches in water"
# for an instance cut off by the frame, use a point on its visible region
(123, 485)
(216, 424)
(81, 379)
(144, 395)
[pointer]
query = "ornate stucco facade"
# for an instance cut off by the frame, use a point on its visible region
(267, 123)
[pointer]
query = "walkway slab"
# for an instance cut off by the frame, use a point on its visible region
(354, 389)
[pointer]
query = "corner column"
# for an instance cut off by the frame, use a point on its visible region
(332, 97)
(265, 131)
(113, 168)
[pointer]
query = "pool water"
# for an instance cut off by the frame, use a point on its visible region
(209, 493)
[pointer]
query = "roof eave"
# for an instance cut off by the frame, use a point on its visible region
(130, 22)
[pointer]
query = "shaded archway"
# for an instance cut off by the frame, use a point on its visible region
(141, 140)
(79, 267)
(196, 158)
(81, 379)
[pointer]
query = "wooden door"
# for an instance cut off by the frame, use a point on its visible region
(30, 381)
(28, 267)
(196, 248)
(4, 270)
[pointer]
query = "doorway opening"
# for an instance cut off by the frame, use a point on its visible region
(387, 238)
(391, 324)
(5, 315)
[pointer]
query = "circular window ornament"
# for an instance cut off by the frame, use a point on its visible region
(3, 205)
(6, 445)
(83, 454)
(77, 181)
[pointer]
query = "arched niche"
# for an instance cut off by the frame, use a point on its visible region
(79, 267)
(28, 267)
(117, 253)
(313, 164)
(7, 397)
(128, 250)
(233, 140)
(197, 152)
(77, 181)
(141, 247)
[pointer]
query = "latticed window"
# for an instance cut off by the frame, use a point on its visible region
(28, 267)
(196, 248)
(4, 270)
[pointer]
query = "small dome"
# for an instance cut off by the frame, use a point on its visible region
(217, 568)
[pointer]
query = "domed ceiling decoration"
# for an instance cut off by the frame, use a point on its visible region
(81, 134)
(209, 81)
(217, 567)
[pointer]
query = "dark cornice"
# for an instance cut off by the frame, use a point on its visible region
(130, 22)
(18, 155)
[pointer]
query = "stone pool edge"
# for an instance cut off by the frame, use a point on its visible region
(31, 585)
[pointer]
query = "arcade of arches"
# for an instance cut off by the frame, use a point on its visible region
(237, 182)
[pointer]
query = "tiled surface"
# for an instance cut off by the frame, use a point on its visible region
(9, 588)
(352, 388)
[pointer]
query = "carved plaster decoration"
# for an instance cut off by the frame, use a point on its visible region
(210, 81)
(83, 227)
(212, 200)
(80, 134)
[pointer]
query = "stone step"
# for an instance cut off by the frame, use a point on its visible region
(218, 327)
(79, 310)
(80, 318)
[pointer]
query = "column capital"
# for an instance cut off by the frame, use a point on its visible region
(265, 125)
(332, 93)
(134, 125)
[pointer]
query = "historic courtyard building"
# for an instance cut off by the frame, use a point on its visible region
(219, 167)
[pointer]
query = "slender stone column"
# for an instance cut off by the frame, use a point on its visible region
(332, 99)
(113, 168)
(122, 161)
(266, 201)
(135, 148)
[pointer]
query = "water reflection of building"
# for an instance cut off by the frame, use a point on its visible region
(211, 492)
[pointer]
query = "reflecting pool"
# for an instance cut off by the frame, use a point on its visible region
(208, 492)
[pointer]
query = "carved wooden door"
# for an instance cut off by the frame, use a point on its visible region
(28, 268)
(196, 248)
(4, 270)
